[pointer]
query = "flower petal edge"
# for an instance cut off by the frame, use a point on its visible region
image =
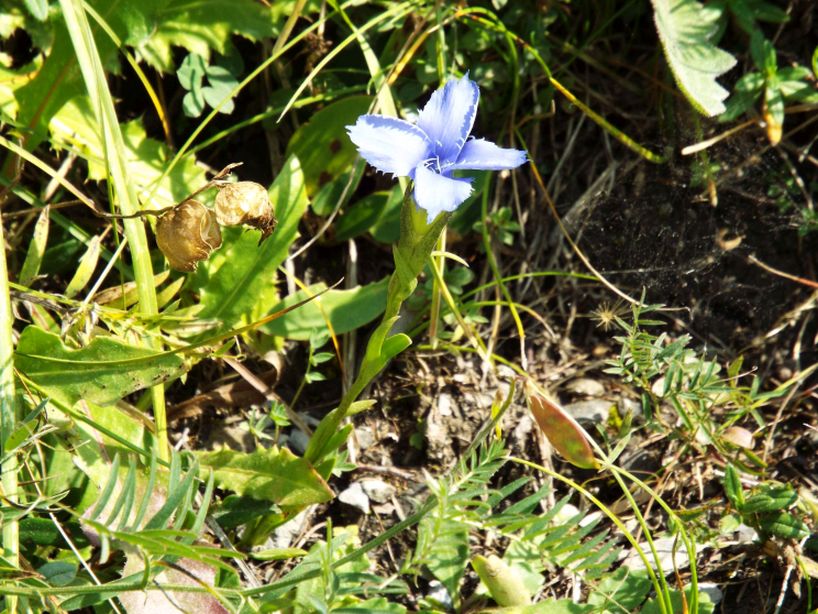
(390, 145)
(436, 193)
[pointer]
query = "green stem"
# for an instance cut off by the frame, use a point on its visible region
(93, 74)
(417, 240)
(8, 419)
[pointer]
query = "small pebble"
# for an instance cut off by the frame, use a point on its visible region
(586, 386)
(595, 410)
(377, 490)
(354, 496)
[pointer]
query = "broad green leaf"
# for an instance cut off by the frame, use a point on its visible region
(784, 525)
(345, 310)
(378, 213)
(37, 8)
(102, 372)
(238, 283)
(623, 587)
(200, 27)
(276, 475)
(550, 606)
(686, 29)
(74, 126)
(563, 432)
(322, 145)
(36, 249)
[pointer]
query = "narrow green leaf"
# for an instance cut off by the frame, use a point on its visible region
(275, 475)
(36, 250)
(85, 269)
(686, 29)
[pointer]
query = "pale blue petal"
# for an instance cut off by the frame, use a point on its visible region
(390, 145)
(448, 117)
(482, 155)
(437, 193)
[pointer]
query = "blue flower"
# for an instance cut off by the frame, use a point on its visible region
(429, 151)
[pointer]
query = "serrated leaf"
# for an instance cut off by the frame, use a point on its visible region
(343, 310)
(102, 372)
(567, 437)
(686, 29)
(276, 475)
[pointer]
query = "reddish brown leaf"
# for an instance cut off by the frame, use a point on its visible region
(567, 437)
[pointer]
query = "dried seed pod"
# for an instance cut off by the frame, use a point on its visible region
(739, 437)
(245, 202)
(187, 234)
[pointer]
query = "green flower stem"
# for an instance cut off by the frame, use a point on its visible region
(8, 419)
(416, 243)
(94, 76)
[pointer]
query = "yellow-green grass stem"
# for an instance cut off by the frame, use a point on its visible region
(93, 74)
(8, 419)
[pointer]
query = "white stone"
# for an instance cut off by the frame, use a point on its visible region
(377, 490)
(355, 496)
(595, 410)
(586, 386)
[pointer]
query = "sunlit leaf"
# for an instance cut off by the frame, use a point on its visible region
(686, 29)
(345, 310)
(103, 372)
(276, 475)
(567, 437)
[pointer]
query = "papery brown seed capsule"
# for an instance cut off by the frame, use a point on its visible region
(245, 202)
(739, 437)
(187, 234)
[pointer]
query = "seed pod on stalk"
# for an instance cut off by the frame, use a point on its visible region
(245, 203)
(187, 234)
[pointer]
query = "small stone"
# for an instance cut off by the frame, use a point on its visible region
(594, 410)
(712, 591)
(439, 594)
(664, 548)
(384, 509)
(738, 436)
(287, 533)
(298, 441)
(354, 496)
(444, 404)
(377, 490)
(586, 386)
(365, 437)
